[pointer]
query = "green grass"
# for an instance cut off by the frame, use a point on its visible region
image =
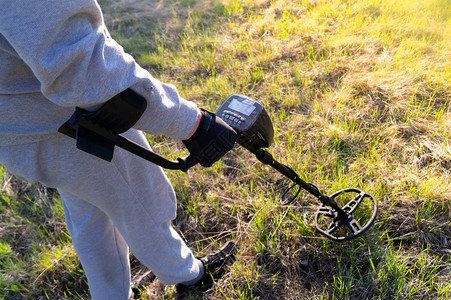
(359, 94)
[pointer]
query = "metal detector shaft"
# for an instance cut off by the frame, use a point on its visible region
(182, 164)
(267, 158)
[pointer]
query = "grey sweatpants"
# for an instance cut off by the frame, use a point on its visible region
(109, 208)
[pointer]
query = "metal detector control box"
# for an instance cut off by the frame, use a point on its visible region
(249, 119)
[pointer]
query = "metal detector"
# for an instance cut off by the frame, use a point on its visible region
(342, 216)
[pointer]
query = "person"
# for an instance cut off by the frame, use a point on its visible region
(56, 55)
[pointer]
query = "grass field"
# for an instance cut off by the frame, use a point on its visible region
(359, 94)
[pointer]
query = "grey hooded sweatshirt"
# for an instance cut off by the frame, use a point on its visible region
(56, 55)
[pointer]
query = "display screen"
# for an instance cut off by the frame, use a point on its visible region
(241, 107)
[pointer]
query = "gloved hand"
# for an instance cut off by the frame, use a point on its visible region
(212, 139)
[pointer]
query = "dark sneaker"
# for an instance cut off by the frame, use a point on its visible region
(215, 264)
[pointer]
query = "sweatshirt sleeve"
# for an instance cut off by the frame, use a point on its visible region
(69, 50)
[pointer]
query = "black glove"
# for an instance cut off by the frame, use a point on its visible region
(212, 139)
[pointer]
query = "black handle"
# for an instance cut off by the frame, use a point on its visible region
(182, 164)
(85, 128)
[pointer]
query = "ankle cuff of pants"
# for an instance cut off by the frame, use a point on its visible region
(199, 276)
